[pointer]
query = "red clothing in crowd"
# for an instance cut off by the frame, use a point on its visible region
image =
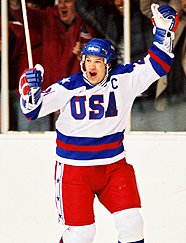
(18, 59)
(58, 42)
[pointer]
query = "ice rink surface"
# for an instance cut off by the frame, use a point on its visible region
(27, 205)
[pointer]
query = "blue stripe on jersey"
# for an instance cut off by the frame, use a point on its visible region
(89, 140)
(33, 114)
(160, 61)
(75, 155)
(86, 148)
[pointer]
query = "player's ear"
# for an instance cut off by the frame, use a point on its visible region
(109, 66)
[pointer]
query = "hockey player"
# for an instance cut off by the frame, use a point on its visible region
(94, 109)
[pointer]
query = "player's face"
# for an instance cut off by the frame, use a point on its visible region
(95, 69)
(66, 10)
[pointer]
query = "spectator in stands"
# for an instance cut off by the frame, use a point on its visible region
(40, 4)
(18, 61)
(169, 93)
(103, 16)
(145, 6)
(107, 18)
(139, 29)
(34, 4)
(176, 80)
(61, 30)
(172, 88)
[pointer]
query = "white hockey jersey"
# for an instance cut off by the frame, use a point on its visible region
(90, 127)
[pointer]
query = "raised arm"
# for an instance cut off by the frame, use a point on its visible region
(160, 55)
(36, 103)
(30, 90)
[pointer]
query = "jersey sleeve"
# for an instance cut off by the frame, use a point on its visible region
(158, 64)
(47, 103)
(141, 74)
(54, 98)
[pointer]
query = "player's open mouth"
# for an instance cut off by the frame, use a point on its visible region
(93, 74)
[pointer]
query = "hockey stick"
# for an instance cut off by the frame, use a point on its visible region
(27, 34)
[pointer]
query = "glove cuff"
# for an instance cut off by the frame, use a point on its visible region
(159, 35)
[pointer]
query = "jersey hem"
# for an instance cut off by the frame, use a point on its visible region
(91, 162)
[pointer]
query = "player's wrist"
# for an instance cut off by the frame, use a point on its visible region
(160, 35)
(164, 38)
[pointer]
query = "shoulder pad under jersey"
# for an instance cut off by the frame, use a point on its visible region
(72, 82)
(120, 69)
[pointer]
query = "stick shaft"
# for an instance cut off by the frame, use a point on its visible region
(27, 34)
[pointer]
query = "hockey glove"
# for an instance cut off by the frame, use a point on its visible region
(30, 84)
(165, 20)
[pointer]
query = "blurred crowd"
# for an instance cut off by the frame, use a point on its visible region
(163, 106)
(58, 31)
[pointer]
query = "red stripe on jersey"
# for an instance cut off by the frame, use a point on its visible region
(176, 25)
(163, 64)
(88, 148)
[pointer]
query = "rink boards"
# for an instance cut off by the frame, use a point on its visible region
(27, 205)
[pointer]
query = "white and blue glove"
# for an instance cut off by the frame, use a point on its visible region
(165, 20)
(30, 84)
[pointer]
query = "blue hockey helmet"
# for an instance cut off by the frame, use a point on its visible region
(101, 48)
